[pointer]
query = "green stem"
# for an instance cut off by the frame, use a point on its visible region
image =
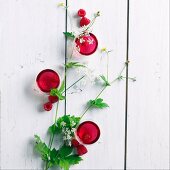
(107, 66)
(91, 24)
(74, 83)
(56, 112)
(52, 136)
(102, 92)
(122, 70)
(130, 78)
(91, 105)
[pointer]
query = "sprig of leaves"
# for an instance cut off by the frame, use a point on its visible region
(73, 64)
(66, 162)
(63, 157)
(41, 148)
(97, 103)
(58, 92)
(69, 34)
(106, 83)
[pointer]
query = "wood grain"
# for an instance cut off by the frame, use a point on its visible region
(110, 29)
(31, 39)
(148, 121)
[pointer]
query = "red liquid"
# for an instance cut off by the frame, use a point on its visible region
(87, 44)
(47, 80)
(88, 132)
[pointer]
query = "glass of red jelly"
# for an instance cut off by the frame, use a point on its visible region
(47, 79)
(88, 132)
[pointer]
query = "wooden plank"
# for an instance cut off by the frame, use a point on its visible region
(110, 29)
(31, 39)
(148, 121)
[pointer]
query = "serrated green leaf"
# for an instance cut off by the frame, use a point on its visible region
(98, 103)
(73, 159)
(53, 129)
(73, 64)
(106, 83)
(66, 162)
(56, 92)
(41, 148)
(69, 34)
(65, 151)
(54, 159)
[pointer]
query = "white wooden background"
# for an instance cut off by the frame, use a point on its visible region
(31, 39)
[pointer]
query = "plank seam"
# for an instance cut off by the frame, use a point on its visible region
(126, 92)
(66, 22)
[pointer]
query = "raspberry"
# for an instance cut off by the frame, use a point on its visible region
(75, 143)
(53, 99)
(48, 106)
(81, 13)
(81, 150)
(84, 21)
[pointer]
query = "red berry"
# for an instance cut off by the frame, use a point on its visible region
(84, 21)
(53, 99)
(48, 106)
(81, 13)
(81, 150)
(75, 143)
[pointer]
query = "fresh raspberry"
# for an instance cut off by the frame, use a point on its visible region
(84, 21)
(53, 99)
(75, 143)
(81, 13)
(81, 150)
(48, 106)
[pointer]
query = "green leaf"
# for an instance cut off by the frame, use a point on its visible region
(65, 151)
(106, 83)
(53, 129)
(66, 162)
(54, 159)
(41, 148)
(70, 121)
(62, 88)
(58, 93)
(98, 103)
(69, 34)
(73, 159)
(73, 64)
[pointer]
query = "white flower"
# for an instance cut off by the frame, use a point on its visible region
(73, 123)
(73, 130)
(69, 132)
(68, 143)
(64, 138)
(68, 137)
(63, 124)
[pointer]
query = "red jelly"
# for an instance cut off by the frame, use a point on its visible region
(88, 132)
(47, 80)
(86, 44)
